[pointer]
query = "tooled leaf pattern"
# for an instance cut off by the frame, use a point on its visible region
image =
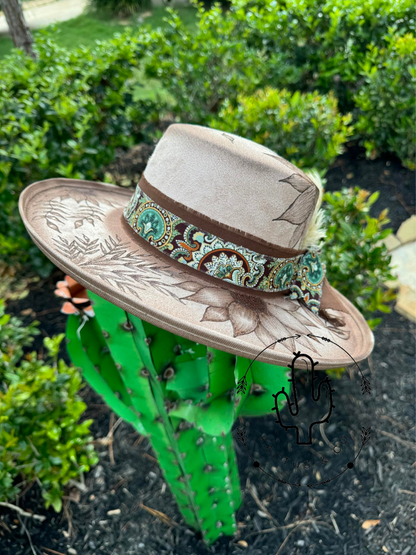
(299, 212)
(56, 213)
(78, 248)
(130, 270)
(116, 264)
(301, 208)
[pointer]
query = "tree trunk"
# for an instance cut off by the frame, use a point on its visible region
(20, 32)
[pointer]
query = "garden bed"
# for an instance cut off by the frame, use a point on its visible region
(114, 515)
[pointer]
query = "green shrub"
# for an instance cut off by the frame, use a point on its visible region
(387, 99)
(358, 263)
(203, 68)
(298, 45)
(63, 114)
(326, 39)
(307, 129)
(40, 435)
(122, 8)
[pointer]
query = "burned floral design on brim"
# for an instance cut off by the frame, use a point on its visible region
(302, 275)
(108, 258)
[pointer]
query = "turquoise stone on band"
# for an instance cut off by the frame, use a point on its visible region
(302, 275)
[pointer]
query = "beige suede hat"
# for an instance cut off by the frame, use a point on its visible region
(218, 244)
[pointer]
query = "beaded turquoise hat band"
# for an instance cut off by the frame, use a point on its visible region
(302, 275)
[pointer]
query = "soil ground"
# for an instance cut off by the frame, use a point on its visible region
(274, 519)
(395, 183)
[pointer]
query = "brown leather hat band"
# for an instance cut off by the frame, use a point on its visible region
(207, 224)
(302, 275)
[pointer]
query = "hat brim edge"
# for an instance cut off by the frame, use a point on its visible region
(164, 321)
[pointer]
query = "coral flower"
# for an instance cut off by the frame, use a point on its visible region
(76, 295)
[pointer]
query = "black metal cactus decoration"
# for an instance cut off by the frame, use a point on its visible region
(293, 406)
(365, 435)
(365, 385)
(365, 382)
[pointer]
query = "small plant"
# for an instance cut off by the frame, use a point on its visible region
(307, 129)
(357, 261)
(41, 438)
(387, 99)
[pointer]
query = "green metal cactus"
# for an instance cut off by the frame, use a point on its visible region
(180, 394)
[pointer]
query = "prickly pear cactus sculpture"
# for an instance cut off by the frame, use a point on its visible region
(180, 394)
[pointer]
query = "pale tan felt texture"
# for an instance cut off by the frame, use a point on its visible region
(234, 181)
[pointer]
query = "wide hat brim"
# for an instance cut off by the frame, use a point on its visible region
(79, 225)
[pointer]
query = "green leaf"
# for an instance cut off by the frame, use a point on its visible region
(57, 504)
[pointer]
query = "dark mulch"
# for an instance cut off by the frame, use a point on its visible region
(128, 167)
(380, 486)
(395, 183)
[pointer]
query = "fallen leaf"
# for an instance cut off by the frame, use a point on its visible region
(75, 495)
(369, 523)
(27, 312)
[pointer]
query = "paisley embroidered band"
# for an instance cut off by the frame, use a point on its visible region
(302, 275)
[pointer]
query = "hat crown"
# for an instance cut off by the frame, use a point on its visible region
(234, 182)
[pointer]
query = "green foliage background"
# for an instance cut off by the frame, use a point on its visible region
(386, 101)
(63, 114)
(121, 8)
(41, 438)
(302, 46)
(306, 129)
(358, 262)
(302, 77)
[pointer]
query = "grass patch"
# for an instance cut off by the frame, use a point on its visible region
(6, 46)
(144, 88)
(84, 30)
(87, 28)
